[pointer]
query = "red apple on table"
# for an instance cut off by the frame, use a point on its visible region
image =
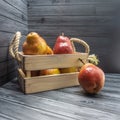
(91, 78)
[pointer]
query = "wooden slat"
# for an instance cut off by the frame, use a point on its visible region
(83, 100)
(11, 12)
(61, 10)
(4, 54)
(83, 31)
(6, 37)
(21, 6)
(68, 20)
(39, 62)
(25, 2)
(21, 109)
(75, 10)
(50, 82)
(16, 26)
(7, 66)
(71, 2)
(5, 117)
(8, 77)
(51, 105)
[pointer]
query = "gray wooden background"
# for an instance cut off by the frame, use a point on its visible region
(90, 20)
(95, 21)
(13, 17)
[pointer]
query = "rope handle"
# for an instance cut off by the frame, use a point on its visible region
(82, 42)
(14, 45)
(21, 72)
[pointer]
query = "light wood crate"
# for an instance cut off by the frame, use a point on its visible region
(30, 63)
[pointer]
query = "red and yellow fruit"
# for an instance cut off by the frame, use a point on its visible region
(50, 71)
(68, 70)
(64, 46)
(91, 78)
(35, 45)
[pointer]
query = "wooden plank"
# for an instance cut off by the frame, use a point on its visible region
(4, 117)
(19, 111)
(106, 10)
(73, 10)
(7, 24)
(70, 2)
(11, 12)
(52, 106)
(92, 41)
(3, 69)
(7, 37)
(5, 58)
(4, 54)
(50, 82)
(83, 31)
(21, 6)
(39, 62)
(112, 79)
(8, 77)
(19, 20)
(61, 10)
(25, 2)
(13, 18)
(61, 100)
(13, 85)
(86, 101)
(7, 66)
(69, 20)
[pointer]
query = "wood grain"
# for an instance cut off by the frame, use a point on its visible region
(72, 103)
(80, 18)
(70, 2)
(68, 20)
(41, 62)
(13, 17)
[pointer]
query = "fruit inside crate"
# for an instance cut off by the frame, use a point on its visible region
(28, 63)
(48, 82)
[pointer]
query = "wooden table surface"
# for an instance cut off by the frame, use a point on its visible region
(63, 104)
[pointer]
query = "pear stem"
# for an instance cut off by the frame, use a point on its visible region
(63, 34)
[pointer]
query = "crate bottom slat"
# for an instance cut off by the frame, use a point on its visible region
(48, 82)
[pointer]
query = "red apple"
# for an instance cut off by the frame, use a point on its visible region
(91, 78)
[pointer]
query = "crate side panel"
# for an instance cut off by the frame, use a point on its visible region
(44, 83)
(54, 61)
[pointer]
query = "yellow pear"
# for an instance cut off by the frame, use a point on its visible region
(68, 70)
(35, 45)
(50, 71)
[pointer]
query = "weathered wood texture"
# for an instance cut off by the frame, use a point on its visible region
(13, 17)
(91, 20)
(63, 104)
(31, 84)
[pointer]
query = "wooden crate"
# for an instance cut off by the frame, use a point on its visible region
(28, 63)
(48, 82)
